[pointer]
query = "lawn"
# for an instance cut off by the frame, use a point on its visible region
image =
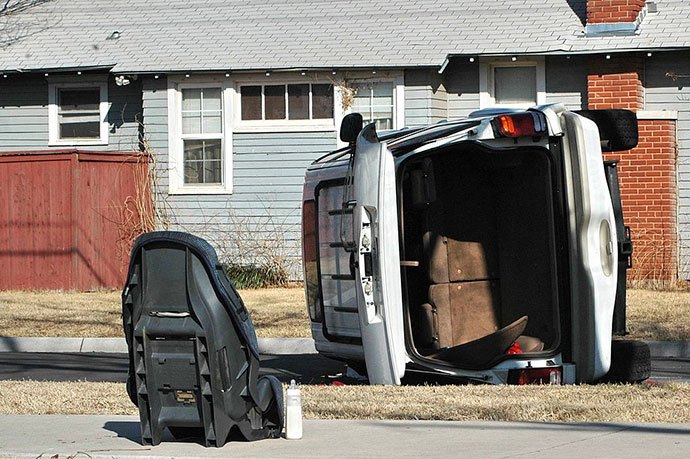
(602, 403)
(277, 312)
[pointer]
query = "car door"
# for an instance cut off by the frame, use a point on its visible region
(377, 259)
(593, 249)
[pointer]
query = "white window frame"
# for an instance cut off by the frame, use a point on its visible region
(53, 118)
(398, 100)
(311, 125)
(176, 183)
(487, 84)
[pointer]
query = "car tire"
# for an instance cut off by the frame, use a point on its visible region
(630, 362)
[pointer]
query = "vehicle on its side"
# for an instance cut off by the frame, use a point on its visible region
(487, 249)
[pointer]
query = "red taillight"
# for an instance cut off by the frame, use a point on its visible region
(309, 230)
(535, 376)
(521, 124)
(309, 255)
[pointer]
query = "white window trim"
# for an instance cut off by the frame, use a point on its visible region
(313, 125)
(53, 119)
(398, 101)
(486, 82)
(176, 183)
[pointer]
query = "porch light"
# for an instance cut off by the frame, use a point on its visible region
(514, 58)
(471, 59)
(268, 74)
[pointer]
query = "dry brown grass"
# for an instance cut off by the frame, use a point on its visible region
(613, 403)
(276, 312)
(61, 314)
(659, 315)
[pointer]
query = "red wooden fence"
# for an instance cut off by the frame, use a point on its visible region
(61, 217)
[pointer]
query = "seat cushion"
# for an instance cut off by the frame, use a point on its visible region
(465, 311)
(483, 352)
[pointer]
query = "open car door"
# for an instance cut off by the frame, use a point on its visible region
(377, 259)
(593, 246)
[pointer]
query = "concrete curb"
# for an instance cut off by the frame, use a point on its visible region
(677, 349)
(273, 346)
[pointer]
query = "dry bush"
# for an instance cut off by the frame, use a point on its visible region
(654, 255)
(256, 252)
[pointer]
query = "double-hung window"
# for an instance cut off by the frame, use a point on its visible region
(77, 114)
(376, 103)
(202, 135)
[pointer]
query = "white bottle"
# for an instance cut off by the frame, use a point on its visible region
(293, 417)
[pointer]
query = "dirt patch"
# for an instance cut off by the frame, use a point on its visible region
(602, 403)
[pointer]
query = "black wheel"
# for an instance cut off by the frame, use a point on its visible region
(631, 362)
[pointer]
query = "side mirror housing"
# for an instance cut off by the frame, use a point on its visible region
(617, 128)
(351, 127)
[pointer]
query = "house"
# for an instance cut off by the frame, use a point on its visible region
(235, 99)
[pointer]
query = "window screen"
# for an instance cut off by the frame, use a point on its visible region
(515, 85)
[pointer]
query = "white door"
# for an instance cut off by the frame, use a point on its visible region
(593, 249)
(377, 267)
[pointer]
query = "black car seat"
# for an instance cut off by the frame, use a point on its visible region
(193, 352)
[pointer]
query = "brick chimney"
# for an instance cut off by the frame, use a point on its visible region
(613, 11)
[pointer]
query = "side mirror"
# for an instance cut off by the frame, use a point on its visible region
(617, 128)
(351, 127)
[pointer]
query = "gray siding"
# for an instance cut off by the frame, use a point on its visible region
(426, 101)
(662, 93)
(566, 81)
(263, 212)
(24, 114)
(462, 84)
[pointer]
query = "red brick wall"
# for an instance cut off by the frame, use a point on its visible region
(648, 190)
(615, 83)
(607, 11)
(647, 173)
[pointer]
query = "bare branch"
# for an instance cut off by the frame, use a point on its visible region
(21, 18)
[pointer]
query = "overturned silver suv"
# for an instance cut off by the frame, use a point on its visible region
(485, 249)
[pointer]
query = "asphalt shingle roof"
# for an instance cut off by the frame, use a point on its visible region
(164, 35)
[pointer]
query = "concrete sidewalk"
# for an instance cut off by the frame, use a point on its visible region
(118, 437)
